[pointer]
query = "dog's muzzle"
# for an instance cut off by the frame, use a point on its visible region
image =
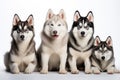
(22, 37)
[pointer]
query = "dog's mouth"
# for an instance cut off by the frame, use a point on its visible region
(55, 36)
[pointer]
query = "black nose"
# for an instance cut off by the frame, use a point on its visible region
(55, 32)
(103, 57)
(82, 33)
(22, 37)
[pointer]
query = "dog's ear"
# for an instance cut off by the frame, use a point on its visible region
(62, 14)
(76, 15)
(49, 14)
(97, 41)
(90, 16)
(16, 19)
(109, 41)
(30, 20)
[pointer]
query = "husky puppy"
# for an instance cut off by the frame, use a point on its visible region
(81, 42)
(53, 49)
(21, 57)
(103, 56)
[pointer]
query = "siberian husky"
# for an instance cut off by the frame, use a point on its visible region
(81, 42)
(21, 57)
(103, 56)
(53, 49)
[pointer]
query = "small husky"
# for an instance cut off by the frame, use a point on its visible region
(81, 42)
(53, 49)
(103, 56)
(21, 57)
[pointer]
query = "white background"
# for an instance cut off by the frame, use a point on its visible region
(106, 18)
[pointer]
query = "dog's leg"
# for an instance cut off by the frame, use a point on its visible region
(110, 70)
(73, 65)
(45, 59)
(96, 70)
(63, 58)
(14, 68)
(31, 67)
(87, 66)
(116, 70)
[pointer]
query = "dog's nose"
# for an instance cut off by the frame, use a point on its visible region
(22, 37)
(103, 57)
(55, 32)
(82, 33)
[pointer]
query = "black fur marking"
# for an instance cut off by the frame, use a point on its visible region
(22, 24)
(71, 46)
(72, 36)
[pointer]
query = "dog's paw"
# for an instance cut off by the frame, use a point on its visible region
(28, 70)
(15, 71)
(96, 70)
(62, 71)
(44, 71)
(88, 71)
(110, 71)
(117, 71)
(74, 71)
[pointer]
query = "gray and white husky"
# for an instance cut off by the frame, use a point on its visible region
(81, 42)
(53, 49)
(103, 56)
(21, 57)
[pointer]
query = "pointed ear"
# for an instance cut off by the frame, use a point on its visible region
(90, 16)
(49, 14)
(62, 14)
(76, 15)
(30, 20)
(16, 19)
(109, 41)
(97, 41)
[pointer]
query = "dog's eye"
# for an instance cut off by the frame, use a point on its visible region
(79, 27)
(86, 27)
(18, 30)
(51, 24)
(26, 30)
(59, 24)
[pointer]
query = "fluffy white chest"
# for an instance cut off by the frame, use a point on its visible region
(22, 59)
(23, 47)
(82, 55)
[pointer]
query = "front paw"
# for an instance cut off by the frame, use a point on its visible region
(75, 71)
(15, 71)
(62, 71)
(117, 71)
(110, 71)
(88, 71)
(28, 70)
(44, 71)
(96, 71)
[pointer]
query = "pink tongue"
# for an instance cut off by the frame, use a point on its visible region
(55, 35)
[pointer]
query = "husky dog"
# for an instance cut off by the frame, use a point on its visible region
(53, 49)
(81, 42)
(21, 57)
(103, 56)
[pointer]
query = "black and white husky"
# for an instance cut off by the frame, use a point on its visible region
(53, 49)
(103, 56)
(21, 57)
(81, 42)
